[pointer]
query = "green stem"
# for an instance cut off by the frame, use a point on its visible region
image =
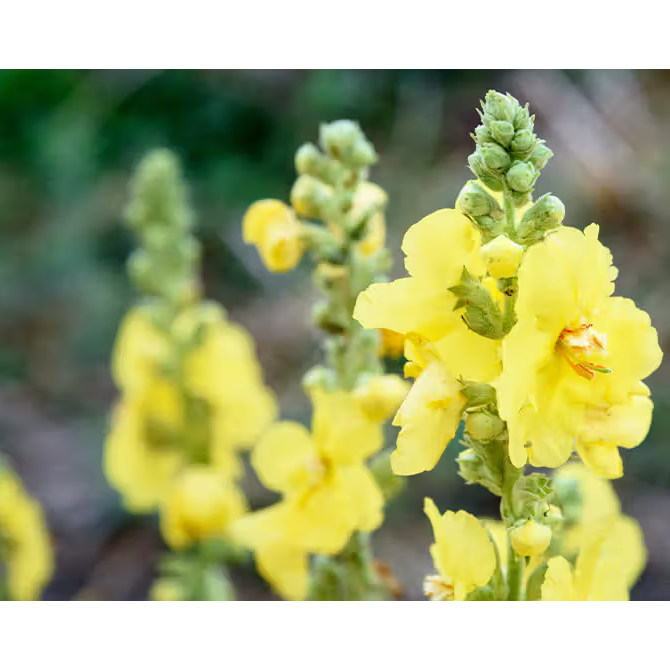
(510, 216)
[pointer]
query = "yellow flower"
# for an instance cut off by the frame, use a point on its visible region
(276, 232)
(428, 417)
(25, 548)
(436, 248)
(502, 257)
(575, 352)
(531, 539)
(463, 554)
(380, 396)
(597, 576)
(283, 565)
(205, 405)
(600, 515)
(200, 504)
(323, 474)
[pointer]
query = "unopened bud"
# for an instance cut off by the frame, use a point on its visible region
(523, 141)
(522, 176)
(545, 215)
(308, 160)
(309, 196)
(473, 469)
(502, 257)
(522, 119)
(531, 539)
(500, 107)
(319, 377)
(502, 131)
(494, 156)
(474, 201)
(344, 140)
(479, 394)
(483, 426)
(540, 156)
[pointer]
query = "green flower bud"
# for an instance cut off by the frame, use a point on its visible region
(545, 215)
(569, 495)
(522, 119)
(308, 160)
(473, 469)
(326, 317)
(479, 394)
(500, 107)
(479, 169)
(309, 196)
(540, 156)
(494, 156)
(502, 131)
(484, 426)
(362, 156)
(522, 176)
(482, 314)
(344, 140)
(483, 135)
(553, 515)
(473, 200)
(523, 141)
(390, 484)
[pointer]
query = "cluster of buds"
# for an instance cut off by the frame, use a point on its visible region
(165, 263)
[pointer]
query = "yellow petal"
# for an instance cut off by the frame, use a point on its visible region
(366, 501)
(407, 305)
(463, 552)
(285, 458)
(558, 580)
(470, 356)
(343, 432)
(429, 417)
(438, 246)
(286, 569)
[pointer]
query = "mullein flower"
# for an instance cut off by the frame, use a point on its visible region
(597, 575)
(276, 232)
(201, 504)
(574, 350)
(152, 436)
(599, 513)
(328, 491)
(25, 548)
(463, 554)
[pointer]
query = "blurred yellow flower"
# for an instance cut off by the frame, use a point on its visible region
(276, 232)
(193, 393)
(25, 547)
(463, 554)
(328, 491)
(200, 504)
(380, 396)
(575, 353)
(600, 514)
(597, 576)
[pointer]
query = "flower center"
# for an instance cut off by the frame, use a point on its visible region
(578, 344)
(437, 588)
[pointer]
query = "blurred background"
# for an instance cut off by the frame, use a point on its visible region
(69, 141)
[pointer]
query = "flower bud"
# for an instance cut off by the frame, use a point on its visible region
(483, 426)
(479, 394)
(483, 134)
(326, 316)
(553, 515)
(309, 196)
(531, 539)
(308, 160)
(319, 377)
(390, 484)
(473, 469)
(540, 156)
(479, 169)
(474, 201)
(502, 257)
(494, 156)
(522, 119)
(500, 107)
(545, 215)
(502, 131)
(522, 176)
(381, 395)
(523, 141)
(344, 140)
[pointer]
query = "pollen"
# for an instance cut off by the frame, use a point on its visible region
(577, 345)
(436, 588)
